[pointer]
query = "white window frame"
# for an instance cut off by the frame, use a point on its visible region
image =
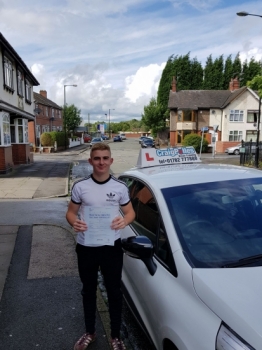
(37, 130)
(20, 80)
(28, 91)
(236, 115)
(5, 136)
(235, 135)
(46, 111)
(20, 130)
(45, 128)
(8, 73)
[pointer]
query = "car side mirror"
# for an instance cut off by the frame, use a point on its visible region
(140, 247)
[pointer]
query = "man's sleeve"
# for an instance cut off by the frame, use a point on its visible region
(125, 198)
(75, 195)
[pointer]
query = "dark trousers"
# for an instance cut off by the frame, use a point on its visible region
(110, 261)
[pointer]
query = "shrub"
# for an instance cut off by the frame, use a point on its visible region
(195, 141)
(48, 139)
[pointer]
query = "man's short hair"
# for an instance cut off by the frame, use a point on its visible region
(100, 146)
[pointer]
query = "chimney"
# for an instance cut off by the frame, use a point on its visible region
(234, 84)
(43, 93)
(173, 84)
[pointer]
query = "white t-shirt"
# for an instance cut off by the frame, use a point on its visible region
(90, 192)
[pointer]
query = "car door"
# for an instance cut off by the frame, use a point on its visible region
(146, 291)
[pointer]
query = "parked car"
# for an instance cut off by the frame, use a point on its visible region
(147, 143)
(87, 138)
(105, 137)
(233, 149)
(193, 256)
(117, 138)
(96, 140)
(123, 136)
(142, 138)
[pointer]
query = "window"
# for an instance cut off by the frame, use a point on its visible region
(45, 128)
(20, 91)
(148, 220)
(5, 138)
(252, 116)
(28, 91)
(59, 113)
(8, 73)
(236, 115)
(37, 131)
(235, 135)
(46, 111)
(187, 115)
(251, 135)
(53, 113)
(6, 130)
(19, 131)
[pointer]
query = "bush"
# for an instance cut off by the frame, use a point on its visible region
(48, 139)
(195, 141)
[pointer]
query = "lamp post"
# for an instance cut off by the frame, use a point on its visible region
(106, 119)
(111, 109)
(65, 125)
(243, 14)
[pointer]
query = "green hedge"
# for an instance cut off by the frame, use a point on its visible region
(48, 139)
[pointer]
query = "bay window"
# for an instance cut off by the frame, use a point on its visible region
(5, 139)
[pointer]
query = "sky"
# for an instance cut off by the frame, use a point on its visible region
(115, 50)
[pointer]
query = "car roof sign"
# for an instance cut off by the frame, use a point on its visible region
(167, 156)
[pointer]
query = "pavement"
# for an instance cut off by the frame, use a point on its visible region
(40, 300)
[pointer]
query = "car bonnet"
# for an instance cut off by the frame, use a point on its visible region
(234, 295)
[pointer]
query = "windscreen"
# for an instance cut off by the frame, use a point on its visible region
(219, 222)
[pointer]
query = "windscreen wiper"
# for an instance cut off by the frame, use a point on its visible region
(244, 261)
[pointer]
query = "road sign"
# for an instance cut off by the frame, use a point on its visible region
(205, 129)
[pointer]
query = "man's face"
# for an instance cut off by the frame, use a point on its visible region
(101, 161)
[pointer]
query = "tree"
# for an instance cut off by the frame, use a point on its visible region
(256, 84)
(218, 70)
(228, 72)
(165, 83)
(154, 116)
(208, 74)
(72, 117)
(196, 75)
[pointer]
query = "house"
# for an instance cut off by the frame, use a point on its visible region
(48, 117)
(16, 108)
(233, 111)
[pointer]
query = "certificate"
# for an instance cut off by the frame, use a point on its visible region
(98, 220)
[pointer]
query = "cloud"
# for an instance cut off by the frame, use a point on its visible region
(144, 82)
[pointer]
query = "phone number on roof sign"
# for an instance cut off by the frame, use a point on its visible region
(177, 160)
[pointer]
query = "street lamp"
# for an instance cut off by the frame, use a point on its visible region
(242, 14)
(64, 111)
(106, 119)
(111, 109)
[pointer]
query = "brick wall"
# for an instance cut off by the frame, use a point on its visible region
(21, 153)
(6, 162)
(221, 146)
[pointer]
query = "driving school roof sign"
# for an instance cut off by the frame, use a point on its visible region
(178, 155)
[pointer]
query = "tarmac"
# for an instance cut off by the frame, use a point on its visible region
(40, 300)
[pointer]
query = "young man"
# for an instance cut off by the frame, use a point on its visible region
(93, 212)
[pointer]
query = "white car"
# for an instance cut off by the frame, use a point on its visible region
(123, 136)
(233, 149)
(193, 256)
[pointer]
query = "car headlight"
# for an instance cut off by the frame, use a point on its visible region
(227, 339)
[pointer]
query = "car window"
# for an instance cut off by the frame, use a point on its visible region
(218, 222)
(148, 221)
